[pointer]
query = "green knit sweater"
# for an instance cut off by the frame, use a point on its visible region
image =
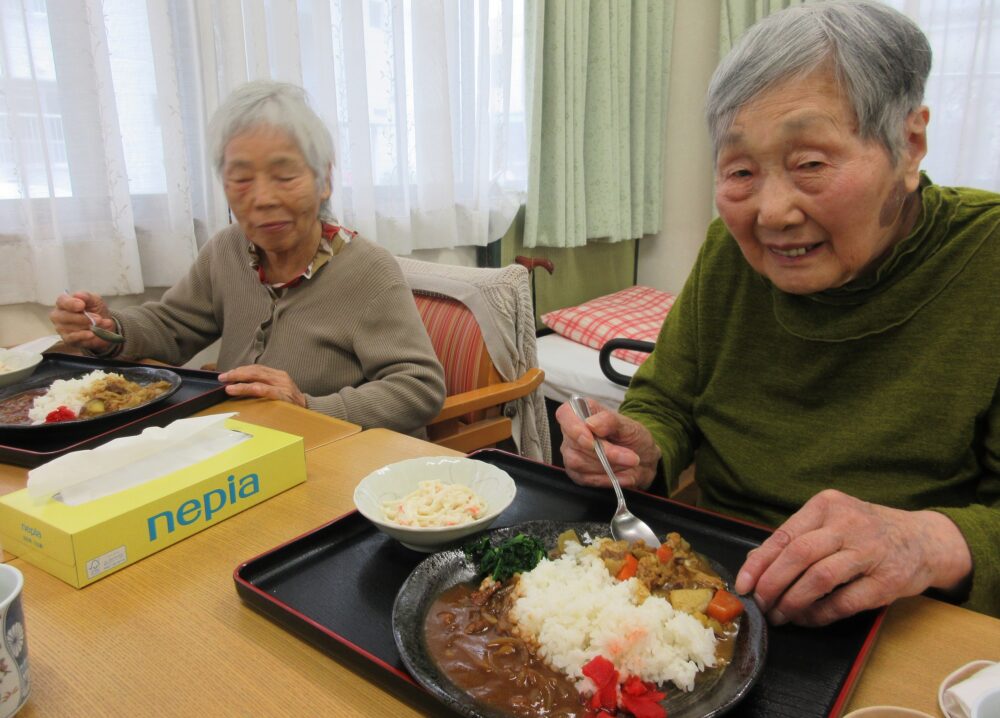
(886, 388)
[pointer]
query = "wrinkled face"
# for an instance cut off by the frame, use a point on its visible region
(811, 204)
(272, 190)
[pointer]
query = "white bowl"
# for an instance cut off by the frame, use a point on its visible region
(20, 365)
(493, 485)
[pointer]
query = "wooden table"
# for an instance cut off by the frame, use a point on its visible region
(170, 636)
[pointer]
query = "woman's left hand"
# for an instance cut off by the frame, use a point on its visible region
(262, 381)
(838, 555)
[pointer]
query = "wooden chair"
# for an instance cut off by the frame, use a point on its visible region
(481, 325)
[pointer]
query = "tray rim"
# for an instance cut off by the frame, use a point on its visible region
(860, 660)
(255, 598)
(40, 457)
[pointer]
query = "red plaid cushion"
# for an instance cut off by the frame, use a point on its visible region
(634, 313)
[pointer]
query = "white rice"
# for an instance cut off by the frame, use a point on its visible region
(576, 610)
(71, 393)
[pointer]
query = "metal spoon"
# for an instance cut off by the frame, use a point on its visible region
(100, 332)
(624, 525)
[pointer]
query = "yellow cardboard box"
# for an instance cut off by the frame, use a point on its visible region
(82, 544)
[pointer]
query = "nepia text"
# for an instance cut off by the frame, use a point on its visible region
(205, 508)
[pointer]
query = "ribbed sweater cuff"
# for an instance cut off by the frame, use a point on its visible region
(979, 526)
(331, 405)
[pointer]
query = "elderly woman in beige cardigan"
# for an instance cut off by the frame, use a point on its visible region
(307, 311)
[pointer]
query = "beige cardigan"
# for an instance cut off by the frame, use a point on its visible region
(350, 337)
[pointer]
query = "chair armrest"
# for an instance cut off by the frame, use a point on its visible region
(604, 357)
(488, 396)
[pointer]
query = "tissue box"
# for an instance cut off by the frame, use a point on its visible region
(81, 544)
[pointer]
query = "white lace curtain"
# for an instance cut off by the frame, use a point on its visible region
(104, 183)
(963, 91)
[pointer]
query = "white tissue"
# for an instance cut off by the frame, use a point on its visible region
(959, 700)
(83, 476)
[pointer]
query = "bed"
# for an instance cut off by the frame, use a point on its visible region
(571, 355)
(572, 368)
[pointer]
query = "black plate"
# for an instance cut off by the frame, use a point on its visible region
(437, 573)
(335, 586)
(141, 375)
(198, 390)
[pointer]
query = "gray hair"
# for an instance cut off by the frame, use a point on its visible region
(879, 56)
(280, 105)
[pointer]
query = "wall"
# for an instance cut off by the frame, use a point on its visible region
(666, 260)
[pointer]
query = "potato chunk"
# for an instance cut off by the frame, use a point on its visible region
(691, 600)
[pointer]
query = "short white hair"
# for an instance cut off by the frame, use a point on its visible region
(878, 55)
(274, 104)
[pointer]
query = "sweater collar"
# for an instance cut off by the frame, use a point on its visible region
(332, 239)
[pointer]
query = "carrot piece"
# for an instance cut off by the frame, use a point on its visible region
(664, 554)
(628, 570)
(724, 606)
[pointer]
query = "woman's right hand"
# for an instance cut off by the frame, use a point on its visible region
(629, 446)
(73, 325)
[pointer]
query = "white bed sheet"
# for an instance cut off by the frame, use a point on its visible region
(572, 368)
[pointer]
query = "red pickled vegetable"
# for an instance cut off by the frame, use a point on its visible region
(63, 413)
(641, 699)
(602, 672)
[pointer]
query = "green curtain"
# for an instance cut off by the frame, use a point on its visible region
(596, 84)
(738, 15)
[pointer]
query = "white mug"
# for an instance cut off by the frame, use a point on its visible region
(15, 681)
(988, 706)
(971, 691)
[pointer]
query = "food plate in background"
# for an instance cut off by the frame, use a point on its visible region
(17, 365)
(713, 695)
(19, 396)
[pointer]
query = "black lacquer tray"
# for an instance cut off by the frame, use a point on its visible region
(335, 587)
(198, 390)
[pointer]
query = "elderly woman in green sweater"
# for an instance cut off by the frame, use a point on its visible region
(833, 361)
(307, 311)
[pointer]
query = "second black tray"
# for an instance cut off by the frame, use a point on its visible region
(335, 586)
(198, 390)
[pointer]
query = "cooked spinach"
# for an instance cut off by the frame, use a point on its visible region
(515, 555)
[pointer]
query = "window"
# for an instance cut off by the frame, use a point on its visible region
(103, 118)
(963, 90)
